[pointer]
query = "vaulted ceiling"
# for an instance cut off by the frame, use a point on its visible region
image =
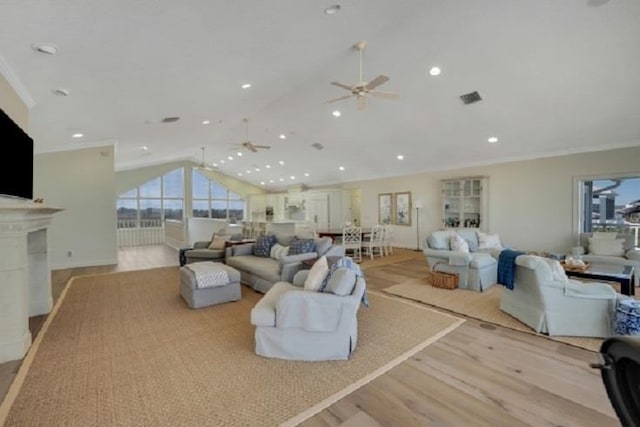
(555, 77)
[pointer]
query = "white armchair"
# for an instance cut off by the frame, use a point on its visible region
(297, 324)
(547, 301)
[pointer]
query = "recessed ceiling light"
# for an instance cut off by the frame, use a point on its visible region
(215, 165)
(77, 135)
(144, 148)
(435, 71)
(306, 174)
(292, 177)
(283, 136)
(341, 168)
(246, 86)
(257, 169)
(492, 139)
(206, 122)
(46, 48)
(271, 181)
(222, 161)
(239, 154)
(230, 157)
(336, 113)
(239, 173)
(400, 157)
(332, 10)
(281, 162)
(281, 179)
(261, 182)
(268, 166)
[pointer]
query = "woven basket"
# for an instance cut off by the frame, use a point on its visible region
(441, 279)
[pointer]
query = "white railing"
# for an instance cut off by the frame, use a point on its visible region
(140, 233)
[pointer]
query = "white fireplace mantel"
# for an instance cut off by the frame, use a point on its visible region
(25, 277)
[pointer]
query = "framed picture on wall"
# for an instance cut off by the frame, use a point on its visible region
(385, 208)
(402, 208)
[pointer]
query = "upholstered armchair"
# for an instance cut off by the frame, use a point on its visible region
(476, 266)
(210, 250)
(297, 324)
(547, 301)
(611, 248)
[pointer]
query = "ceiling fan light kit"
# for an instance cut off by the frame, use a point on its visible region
(364, 89)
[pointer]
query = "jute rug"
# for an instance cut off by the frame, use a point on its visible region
(123, 349)
(483, 306)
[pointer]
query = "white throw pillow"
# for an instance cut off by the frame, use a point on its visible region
(316, 276)
(458, 244)
(278, 251)
(606, 246)
(557, 272)
(488, 241)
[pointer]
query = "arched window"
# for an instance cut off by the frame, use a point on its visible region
(149, 204)
(213, 200)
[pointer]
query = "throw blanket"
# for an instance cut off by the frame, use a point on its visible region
(208, 274)
(507, 267)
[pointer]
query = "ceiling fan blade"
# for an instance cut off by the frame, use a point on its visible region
(362, 103)
(341, 85)
(377, 82)
(338, 99)
(385, 95)
(261, 146)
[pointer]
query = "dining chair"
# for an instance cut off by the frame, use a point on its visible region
(352, 242)
(387, 229)
(373, 244)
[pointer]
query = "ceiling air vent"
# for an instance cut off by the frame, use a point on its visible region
(470, 98)
(170, 119)
(317, 146)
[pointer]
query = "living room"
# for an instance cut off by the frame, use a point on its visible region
(532, 195)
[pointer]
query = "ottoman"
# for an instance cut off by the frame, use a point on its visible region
(207, 283)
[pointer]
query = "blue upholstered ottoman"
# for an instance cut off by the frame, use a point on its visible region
(207, 283)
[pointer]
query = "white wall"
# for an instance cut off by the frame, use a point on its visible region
(530, 202)
(11, 104)
(83, 183)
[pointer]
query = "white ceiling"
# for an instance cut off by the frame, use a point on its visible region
(556, 76)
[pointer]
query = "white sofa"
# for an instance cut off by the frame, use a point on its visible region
(553, 304)
(630, 256)
(477, 269)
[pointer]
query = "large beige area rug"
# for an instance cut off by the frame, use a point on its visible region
(483, 306)
(123, 349)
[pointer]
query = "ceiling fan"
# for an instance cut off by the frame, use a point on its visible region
(248, 145)
(203, 165)
(363, 89)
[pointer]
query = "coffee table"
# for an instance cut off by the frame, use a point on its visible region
(622, 274)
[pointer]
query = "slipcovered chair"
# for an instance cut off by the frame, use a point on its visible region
(477, 266)
(211, 250)
(611, 248)
(293, 323)
(544, 299)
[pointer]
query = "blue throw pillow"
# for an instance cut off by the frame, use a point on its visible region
(301, 246)
(262, 246)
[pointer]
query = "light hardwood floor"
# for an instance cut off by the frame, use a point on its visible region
(478, 375)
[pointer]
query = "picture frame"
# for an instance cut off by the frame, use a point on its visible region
(402, 208)
(385, 208)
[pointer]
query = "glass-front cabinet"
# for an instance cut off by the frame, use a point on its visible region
(463, 202)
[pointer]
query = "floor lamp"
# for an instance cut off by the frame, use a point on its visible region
(418, 206)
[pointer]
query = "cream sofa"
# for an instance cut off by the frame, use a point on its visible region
(630, 256)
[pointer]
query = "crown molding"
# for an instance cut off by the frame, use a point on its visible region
(16, 84)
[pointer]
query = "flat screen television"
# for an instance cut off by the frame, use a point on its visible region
(16, 172)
